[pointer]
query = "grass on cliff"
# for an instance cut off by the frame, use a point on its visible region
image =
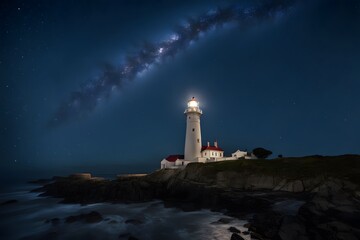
(345, 167)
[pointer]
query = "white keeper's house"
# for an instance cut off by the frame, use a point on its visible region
(194, 150)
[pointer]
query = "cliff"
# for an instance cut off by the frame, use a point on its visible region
(284, 174)
(327, 187)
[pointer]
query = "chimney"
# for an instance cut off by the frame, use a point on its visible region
(215, 144)
(208, 144)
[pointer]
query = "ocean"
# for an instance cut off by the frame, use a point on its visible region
(30, 218)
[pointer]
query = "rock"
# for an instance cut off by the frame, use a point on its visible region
(112, 222)
(132, 238)
(234, 230)
(237, 187)
(41, 181)
(256, 236)
(134, 221)
(235, 236)
(124, 236)
(12, 201)
(312, 183)
(245, 232)
(292, 229)
(127, 236)
(258, 182)
(247, 225)
(82, 176)
(53, 221)
(333, 212)
(92, 217)
(266, 224)
(337, 226)
(280, 185)
(293, 186)
(50, 235)
(346, 236)
(223, 221)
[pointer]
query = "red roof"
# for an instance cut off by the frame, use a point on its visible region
(211, 148)
(173, 158)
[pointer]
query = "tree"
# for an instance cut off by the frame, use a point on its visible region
(261, 152)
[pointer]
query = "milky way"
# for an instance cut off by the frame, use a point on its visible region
(85, 100)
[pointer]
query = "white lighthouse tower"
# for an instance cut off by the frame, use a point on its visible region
(193, 131)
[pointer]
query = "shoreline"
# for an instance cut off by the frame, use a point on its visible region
(323, 196)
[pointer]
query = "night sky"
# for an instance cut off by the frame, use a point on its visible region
(283, 75)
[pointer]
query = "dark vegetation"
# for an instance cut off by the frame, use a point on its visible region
(261, 152)
(344, 167)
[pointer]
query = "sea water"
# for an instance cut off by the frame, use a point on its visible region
(27, 219)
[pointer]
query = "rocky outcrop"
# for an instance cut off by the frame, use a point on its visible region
(92, 217)
(11, 201)
(333, 212)
(236, 236)
(134, 221)
(75, 190)
(330, 190)
(234, 230)
(53, 221)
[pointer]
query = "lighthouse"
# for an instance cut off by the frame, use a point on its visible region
(193, 131)
(194, 151)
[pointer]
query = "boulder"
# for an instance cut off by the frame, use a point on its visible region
(132, 238)
(234, 230)
(293, 186)
(134, 221)
(127, 236)
(53, 221)
(41, 181)
(235, 236)
(92, 217)
(247, 225)
(266, 224)
(292, 229)
(11, 201)
(258, 182)
(223, 221)
(82, 176)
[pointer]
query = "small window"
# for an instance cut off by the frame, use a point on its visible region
(189, 117)
(205, 154)
(198, 140)
(193, 129)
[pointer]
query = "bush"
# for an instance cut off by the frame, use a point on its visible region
(261, 152)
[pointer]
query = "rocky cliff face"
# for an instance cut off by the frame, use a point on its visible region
(246, 189)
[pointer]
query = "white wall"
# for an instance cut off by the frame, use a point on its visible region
(212, 154)
(239, 154)
(226, 159)
(181, 162)
(193, 136)
(202, 159)
(166, 164)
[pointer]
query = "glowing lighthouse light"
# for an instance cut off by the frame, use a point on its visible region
(193, 103)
